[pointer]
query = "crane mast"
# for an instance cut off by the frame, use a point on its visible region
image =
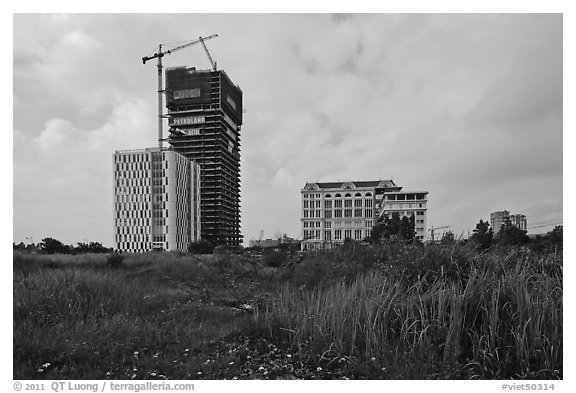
(159, 56)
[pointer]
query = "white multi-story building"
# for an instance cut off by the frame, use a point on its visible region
(497, 219)
(156, 200)
(332, 212)
(405, 203)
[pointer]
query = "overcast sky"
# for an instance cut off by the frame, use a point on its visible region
(466, 107)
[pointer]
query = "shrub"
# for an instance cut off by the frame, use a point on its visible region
(115, 260)
(274, 257)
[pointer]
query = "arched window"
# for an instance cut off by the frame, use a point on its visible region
(357, 195)
(337, 196)
(348, 196)
(368, 194)
(327, 196)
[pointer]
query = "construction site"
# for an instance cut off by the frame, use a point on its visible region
(204, 112)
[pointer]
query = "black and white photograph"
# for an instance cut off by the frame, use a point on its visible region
(287, 196)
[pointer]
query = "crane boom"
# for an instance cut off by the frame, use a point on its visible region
(167, 52)
(159, 56)
(208, 53)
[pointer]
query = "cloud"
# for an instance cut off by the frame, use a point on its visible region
(468, 107)
(65, 173)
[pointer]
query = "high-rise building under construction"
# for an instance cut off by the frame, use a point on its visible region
(204, 119)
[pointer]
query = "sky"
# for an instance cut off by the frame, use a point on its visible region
(468, 107)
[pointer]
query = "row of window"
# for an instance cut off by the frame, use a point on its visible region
(338, 213)
(338, 195)
(339, 234)
(328, 224)
(338, 203)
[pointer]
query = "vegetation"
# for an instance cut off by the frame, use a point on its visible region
(389, 310)
(394, 228)
(50, 245)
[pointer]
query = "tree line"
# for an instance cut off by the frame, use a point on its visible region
(50, 245)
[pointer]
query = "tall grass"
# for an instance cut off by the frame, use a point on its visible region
(502, 319)
(76, 318)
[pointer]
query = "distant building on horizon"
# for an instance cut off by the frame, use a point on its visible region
(156, 200)
(498, 218)
(335, 211)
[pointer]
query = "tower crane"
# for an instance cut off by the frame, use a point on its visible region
(433, 229)
(158, 55)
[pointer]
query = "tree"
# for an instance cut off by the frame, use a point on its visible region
(201, 247)
(393, 227)
(53, 246)
(511, 235)
(406, 228)
(448, 238)
(93, 247)
(483, 235)
(19, 247)
(556, 235)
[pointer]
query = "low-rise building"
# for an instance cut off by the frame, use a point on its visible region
(498, 218)
(335, 211)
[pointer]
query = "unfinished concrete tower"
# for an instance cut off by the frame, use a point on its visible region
(204, 119)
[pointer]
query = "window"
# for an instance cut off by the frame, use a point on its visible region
(338, 234)
(368, 232)
(328, 235)
(368, 213)
(368, 223)
(327, 213)
(348, 203)
(419, 213)
(305, 213)
(317, 225)
(358, 203)
(317, 205)
(358, 234)
(347, 212)
(327, 224)
(368, 203)
(357, 212)
(305, 204)
(328, 204)
(348, 234)
(338, 213)
(338, 203)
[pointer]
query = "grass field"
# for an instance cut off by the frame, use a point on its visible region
(386, 312)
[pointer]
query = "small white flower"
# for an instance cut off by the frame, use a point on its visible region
(318, 368)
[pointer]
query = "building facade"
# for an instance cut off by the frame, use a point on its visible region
(205, 119)
(156, 200)
(333, 212)
(392, 199)
(498, 218)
